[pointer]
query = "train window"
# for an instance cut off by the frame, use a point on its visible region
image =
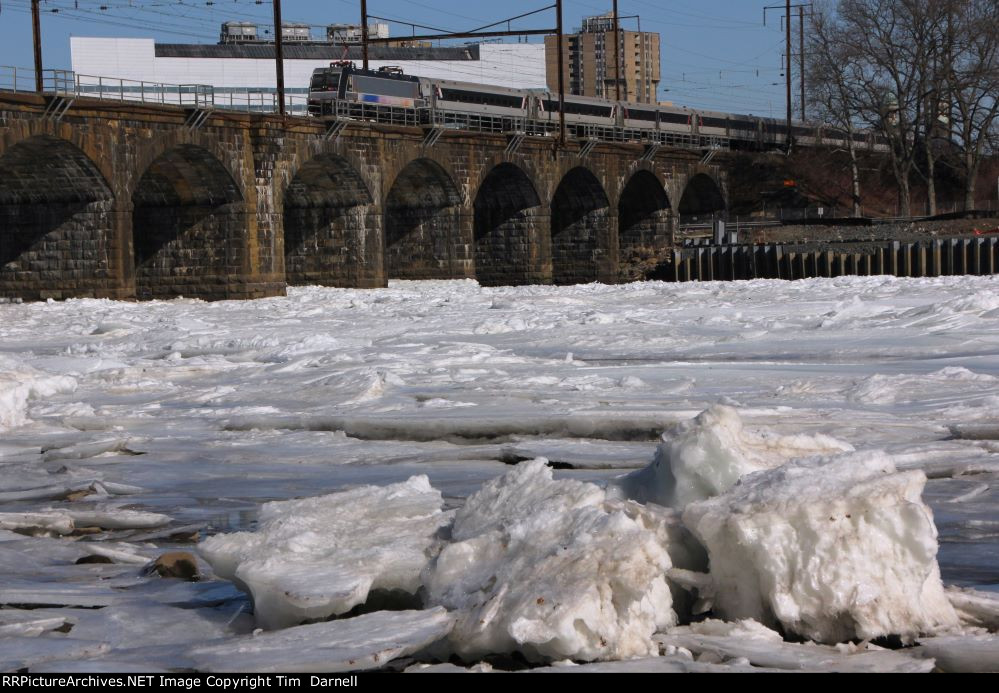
(638, 114)
(714, 122)
(577, 108)
(324, 80)
(482, 97)
(588, 109)
(678, 118)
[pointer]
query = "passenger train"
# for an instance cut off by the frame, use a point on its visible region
(344, 90)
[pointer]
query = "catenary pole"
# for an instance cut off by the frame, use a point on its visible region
(36, 33)
(617, 52)
(801, 56)
(279, 54)
(787, 27)
(364, 33)
(561, 75)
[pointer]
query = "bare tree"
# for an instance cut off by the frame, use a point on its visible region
(886, 48)
(974, 85)
(932, 24)
(829, 91)
(924, 74)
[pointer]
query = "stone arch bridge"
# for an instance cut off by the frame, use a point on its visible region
(128, 201)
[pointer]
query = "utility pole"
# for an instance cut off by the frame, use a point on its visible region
(617, 53)
(278, 54)
(364, 33)
(36, 32)
(787, 26)
(561, 74)
(787, 64)
(801, 56)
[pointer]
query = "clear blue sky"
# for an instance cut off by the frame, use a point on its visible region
(716, 53)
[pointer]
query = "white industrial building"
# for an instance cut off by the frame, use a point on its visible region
(235, 70)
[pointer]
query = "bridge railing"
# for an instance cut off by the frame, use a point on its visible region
(351, 109)
(117, 89)
(16, 79)
(487, 123)
(260, 102)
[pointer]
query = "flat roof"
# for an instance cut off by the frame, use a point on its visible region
(265, 51)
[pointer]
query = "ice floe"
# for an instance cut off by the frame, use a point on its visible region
(61, 522)
(830, 549)
(41, 523)
(552, 570)
(962, 654)
(319, 557)
(708, 455)
(19, 384)
(355, 644)
(18, 653)
(975, 608)
(761, 647)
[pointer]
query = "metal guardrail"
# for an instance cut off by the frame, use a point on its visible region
(352, 109)
(67, 83)
(259, 102)
(16, 79)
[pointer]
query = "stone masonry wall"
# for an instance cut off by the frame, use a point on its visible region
(250, 243)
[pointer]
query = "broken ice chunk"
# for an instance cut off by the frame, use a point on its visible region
(354, 644)
(975, 608)
(319, 557)
(37, 524)
(709, 454)
(20, 383)
(27, 623)
(957, 654)
(26, 652)
(552, 570)
(831, 549)
(115, 518)
(763, 647)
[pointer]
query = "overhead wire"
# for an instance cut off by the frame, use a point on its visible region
(201, 20)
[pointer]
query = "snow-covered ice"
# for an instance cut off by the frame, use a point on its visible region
(319, 557)
(831, 549)
(707, 455)
(19, 384)
(552, 570)
(192, 416)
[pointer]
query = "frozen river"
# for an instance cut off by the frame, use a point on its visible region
(200, 412)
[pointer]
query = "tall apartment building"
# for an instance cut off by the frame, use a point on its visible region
(589, 67)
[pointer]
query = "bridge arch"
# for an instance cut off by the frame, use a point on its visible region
(189, 226)
(328, 214)
(580, 227)
(422, 222)
(702, 198)
(508, 216)
(57, 219)
(643, 214)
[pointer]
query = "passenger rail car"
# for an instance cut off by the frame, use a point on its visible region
(449, 103)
